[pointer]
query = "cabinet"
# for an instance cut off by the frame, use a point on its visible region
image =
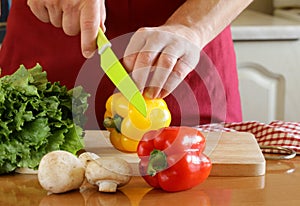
(262, 92)
(268, 58)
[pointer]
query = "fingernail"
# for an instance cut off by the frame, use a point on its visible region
(151, 93)
(148, 93)
(87, 54)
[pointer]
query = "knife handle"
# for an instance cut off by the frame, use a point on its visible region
(102, 42)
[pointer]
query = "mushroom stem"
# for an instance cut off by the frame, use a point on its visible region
(108, 173)
(107, 186)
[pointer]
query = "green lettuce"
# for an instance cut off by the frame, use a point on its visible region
(36, 117)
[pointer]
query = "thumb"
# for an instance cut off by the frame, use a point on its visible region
(89, 25)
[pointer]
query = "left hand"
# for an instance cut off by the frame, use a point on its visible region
(160, 58)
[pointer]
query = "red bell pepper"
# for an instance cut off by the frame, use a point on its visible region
(171, 158)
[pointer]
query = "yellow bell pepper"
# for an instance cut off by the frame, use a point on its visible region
(127, 125)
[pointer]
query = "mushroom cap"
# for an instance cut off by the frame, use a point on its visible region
(87, 156)
(108, 169)
(60, 171)
(115, 164)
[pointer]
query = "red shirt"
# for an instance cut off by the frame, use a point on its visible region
(208, 94)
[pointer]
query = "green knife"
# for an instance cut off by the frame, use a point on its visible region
(118, 75)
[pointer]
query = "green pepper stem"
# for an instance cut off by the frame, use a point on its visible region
(114, 122)
(157, 162)
(109, 122)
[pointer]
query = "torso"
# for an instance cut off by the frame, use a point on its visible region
(213, 84)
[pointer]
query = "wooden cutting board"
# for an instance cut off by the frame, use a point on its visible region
(231, 153)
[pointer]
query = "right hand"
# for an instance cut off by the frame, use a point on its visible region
(73, 16)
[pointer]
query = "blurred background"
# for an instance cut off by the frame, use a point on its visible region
(266, 38)
(4, 10)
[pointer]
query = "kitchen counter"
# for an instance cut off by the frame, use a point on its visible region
(252, 25)
(280, 186)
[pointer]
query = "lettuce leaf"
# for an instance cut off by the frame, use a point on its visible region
(36, 117)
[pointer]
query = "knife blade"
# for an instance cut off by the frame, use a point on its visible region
(118, 75)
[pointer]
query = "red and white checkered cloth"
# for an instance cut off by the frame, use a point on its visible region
(277, 133)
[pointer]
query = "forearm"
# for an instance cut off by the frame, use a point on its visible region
(205, 19)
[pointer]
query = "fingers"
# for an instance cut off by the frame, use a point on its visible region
(135, 45)
(144, 64)
(137, 60)
(142, 68)
(47, 11)
(73, 16)
(102, 15)
(178, 74)
(70, 21)
(169, 71)
(159, 61)
(141, 58)
(55, 15)
(176, 67)
(62, 13)
(39, 10)
(89, 25)
(163, 68)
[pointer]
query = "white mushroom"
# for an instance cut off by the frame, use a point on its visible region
(87, 156)
(60, 171)
(108, 173)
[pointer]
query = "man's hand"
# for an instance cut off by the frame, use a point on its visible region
(73, 16)
(159, 59)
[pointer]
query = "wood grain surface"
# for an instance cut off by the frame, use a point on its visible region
(231, 153)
